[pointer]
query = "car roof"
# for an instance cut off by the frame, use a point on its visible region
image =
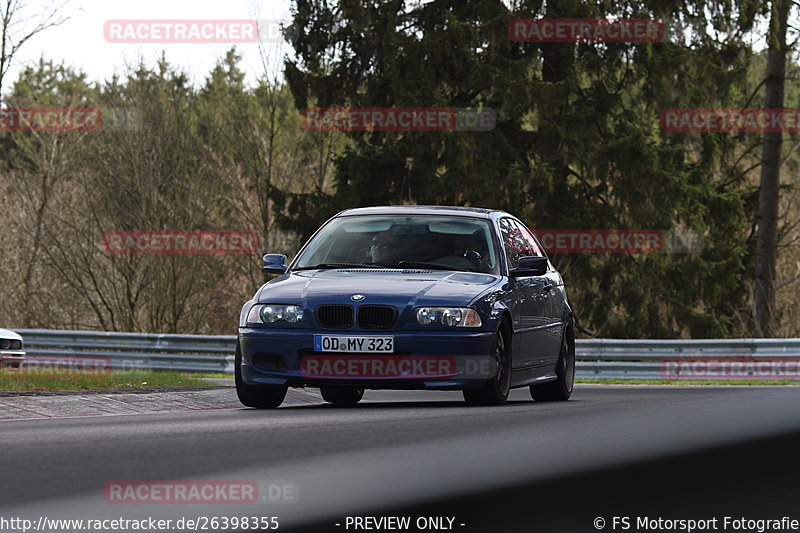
(448, 210)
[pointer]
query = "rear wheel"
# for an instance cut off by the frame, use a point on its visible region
(344, 396)
(561, 388)
(258, 396)
(495, 391)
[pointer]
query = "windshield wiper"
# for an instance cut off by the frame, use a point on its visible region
(420, 264)
(337, 265)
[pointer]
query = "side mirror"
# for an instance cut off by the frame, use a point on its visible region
(274, 264)
(530, 266)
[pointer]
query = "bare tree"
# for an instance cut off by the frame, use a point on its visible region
(18, 26)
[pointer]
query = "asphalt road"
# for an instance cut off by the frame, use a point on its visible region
(610, 450)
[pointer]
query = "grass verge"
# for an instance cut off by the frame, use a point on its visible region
(744, 382)
(11, 381)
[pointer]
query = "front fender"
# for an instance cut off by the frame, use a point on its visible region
(566, 315)
(243, 313)
(492, 305)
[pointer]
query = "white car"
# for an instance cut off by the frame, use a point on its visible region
(11, 354)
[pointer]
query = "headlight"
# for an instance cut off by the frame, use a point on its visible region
(271, 313)
(463, 317)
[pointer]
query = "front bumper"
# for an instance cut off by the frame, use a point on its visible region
(282, 357)
(11, 359)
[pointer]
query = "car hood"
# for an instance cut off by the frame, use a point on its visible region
(389, 287)
(8, 334)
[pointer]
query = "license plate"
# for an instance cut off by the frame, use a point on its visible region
(353, 343)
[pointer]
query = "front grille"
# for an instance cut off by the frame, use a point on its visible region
(335, 316)
(376, 317)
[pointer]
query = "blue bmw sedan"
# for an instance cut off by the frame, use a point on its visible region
(409, 297)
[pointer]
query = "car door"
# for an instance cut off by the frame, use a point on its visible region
(554, 303)
(532, 302)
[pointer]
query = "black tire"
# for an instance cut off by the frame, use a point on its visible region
(258, 396)
(561, 388)
(344, 396)
(495, 391)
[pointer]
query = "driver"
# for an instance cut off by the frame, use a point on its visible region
(381, 250)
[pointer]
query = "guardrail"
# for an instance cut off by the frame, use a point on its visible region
(660, 359)
(596, 358)
(126, 351)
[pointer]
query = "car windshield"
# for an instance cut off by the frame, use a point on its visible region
(382, 241)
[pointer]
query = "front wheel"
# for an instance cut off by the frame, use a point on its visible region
(495, 391)
(258, 396)
(344, 396)
(561, 388)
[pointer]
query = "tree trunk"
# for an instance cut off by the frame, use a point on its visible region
(557, 63)
(767, 221)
